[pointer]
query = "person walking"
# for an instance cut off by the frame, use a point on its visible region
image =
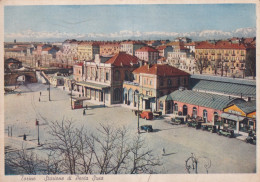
(39, 99)
(40, 93)
(84, 112)
(24, 137)
(163, 151)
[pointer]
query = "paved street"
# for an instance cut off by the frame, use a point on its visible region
(226, 155)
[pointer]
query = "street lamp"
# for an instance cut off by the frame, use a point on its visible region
(72, 84)
(138, 114)
(38, 124)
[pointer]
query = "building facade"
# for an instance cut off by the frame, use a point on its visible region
(148, 54)
(223, 57)
(152, 81)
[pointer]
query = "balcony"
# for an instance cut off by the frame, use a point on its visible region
(212, 53)
(226, 54)
(241, 61)
(233, 55)
(131, 83)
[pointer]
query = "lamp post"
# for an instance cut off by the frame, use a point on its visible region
(38, 124)
(49, 91)
(138, 114)
(72, 83)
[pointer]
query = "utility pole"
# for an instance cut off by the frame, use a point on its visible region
(71, 96)
(49, 91)
(138, 115)
(38, 131)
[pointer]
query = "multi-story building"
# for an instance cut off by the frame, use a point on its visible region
(130, 46)
(224, 57)
(109, 48)
(147, 54)
(163, 50)
(87, 50)
(102, 81)
(151, 82)
(190, 46)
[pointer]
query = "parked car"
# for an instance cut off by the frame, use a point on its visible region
(147, 115)
(209, 127)
(227, 132)
(251, 139)
(147, 128)
(157, 114)
(136, 111)
(177, 120)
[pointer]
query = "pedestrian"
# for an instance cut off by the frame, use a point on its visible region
(84, 112)
(24, 137)
(40, 93)
(163, 151)
(39, 99)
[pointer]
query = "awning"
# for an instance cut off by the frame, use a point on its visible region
(232, 117)
(92, 85)
(147, 97)
(80, 98)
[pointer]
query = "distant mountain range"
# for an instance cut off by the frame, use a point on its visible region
(30, 35)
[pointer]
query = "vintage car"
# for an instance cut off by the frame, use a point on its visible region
(209, 127)
(226, 132)
(147, 115)
(147, 128)
(136, 111)
(251, 139)
(177, 120)
(157, 114)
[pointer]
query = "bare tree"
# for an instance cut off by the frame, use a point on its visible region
(201, 64)
(142, 159)
(64, 144)
(23, 161)
(251, 63)
(109, 151)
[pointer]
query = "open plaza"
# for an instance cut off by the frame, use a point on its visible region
(226, 155)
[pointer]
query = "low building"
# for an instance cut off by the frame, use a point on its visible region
(152, 81)
(241, 116)
(207, 106)
(242, 88)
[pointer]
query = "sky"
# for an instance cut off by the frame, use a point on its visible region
(56, 22)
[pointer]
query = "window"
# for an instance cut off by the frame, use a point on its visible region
(179, 81)
(107, 76)
(194, 112)
(117, 75)
(144, 81)
(117, 94)
(151, 82)
(205, 115)
(161, 82)
(169, 82)
(175, 107)
(126, 75)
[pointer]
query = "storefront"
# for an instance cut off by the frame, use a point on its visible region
(240, 117)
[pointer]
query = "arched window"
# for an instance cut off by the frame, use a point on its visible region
(175, 107)
(117, 75)
(127, 76)
(117, 94)
(215, 116)
(185, 110)
(205, 115)
(194, 112)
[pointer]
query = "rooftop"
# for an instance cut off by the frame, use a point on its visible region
(222, 45)
(122, 59)
(223, 85)
(146, 49)
(160, 70)
(202, 99)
